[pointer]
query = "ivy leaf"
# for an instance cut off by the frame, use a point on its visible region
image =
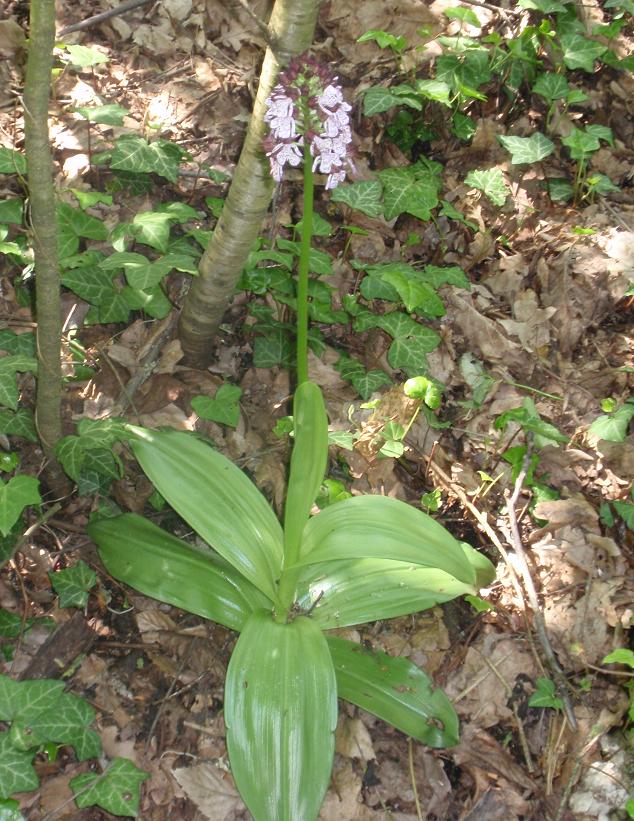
(84, 57)
(71, 453)
(545, 695)
(93, 284)
(153, 229)
(17, 343)
(410, 354)
(378, 99)
(116, 791)
(551, 86)
(436, 90)
(110, 114)
(620, 656)
(464, 15)
(613, 427)
(625, 511)
(223, 408)
(9, 366)
(545, 6)
(365, 196)
(397, 324)
(411, 292)
(580, 143)
(402, 191)
(16, 770)
(438, 275)
(367, 382)
(73, 583)
(11, 210)
(18, 493)
(580, 52)
(67, 723)
(12, 162)
(490, 182)
(528, 149)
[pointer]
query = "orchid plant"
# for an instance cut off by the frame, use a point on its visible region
(285, 589)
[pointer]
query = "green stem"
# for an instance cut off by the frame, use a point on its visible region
(302, 270)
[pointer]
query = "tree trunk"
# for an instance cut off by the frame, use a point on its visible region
(292, 26)
(44, 224)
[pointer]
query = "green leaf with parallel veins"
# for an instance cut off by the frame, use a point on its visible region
(73, 584)
(281, 714)
(116, 791)
(223, 408)
(308, 462)
(395, 690)
(109, 114)
(222, 505)
(365, 196)
(12, 162)
(18, 493)
(153, 229)
(580, 52)
(16, 770)
(551, 86)
(490, 182)
(379, 527)
(528, 149)
(140, 554)
(11, 210)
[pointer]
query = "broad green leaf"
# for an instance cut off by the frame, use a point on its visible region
(87, 199)
(109, 114)
(620, 656)
(529, 419)
(273, 348)
(491, 182)
(581, 143)
(580, 52)
(551, 86)
(397, 324)
(343, 593)
(419, 387)
(613, 427)
(560, 189)
(379, 527)
(153, 229)
(436, 90)
(84, 57)
(545, 6)
(9, 366)
(412, 292)
(308, 462)
(16, 770)
(601, 132)
(18, 493)
(116, 790)
(365, 196)
(102, 432)
(384, 39)
(222, 408)
(73, 584)
(368, 382)
(545, 695)
(140, 554)
(439, 275)
(131, 153)
(463, 14)
(71, 453)
(12, 162)
(153, 301)
(528, 149)
(217, 500)
(281, 714)
(625, 511)
(11, 210)
(463, 126)
(395, 690)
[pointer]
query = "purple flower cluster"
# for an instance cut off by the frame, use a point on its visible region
(308, 104)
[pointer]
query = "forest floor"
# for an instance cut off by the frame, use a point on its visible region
(545, 319)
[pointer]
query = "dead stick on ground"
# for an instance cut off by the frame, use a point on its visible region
(538, 616)
(129, 5)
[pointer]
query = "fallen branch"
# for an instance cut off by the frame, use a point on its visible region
(128, 5)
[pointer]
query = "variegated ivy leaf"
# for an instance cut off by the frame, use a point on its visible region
(378, 99)
(9, 366)
(410, 354)
(11, 210)
(73, 584)
(152, 301)
(580, 52)
(491, 182)
(17, 343)
(92, 284)
(528, 149)
(545, 6)
(116, 790)
(11, 162)
(109, 114)
(18, 423)
(365, 196)
(153, 229)
(406, 191)
(367, 382)
(222, 408)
